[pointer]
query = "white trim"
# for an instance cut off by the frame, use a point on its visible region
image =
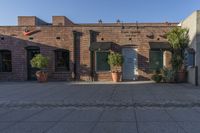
(136, 64)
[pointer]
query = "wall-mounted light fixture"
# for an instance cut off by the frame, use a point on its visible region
(118, 21)
(100, 21)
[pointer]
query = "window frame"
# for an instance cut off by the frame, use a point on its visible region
(1, 61)
(97, 64)
(190, 56)
(61, 69)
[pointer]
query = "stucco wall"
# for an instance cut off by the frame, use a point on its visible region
(198, 44)
(193, 24)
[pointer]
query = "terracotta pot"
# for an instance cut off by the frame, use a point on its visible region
(116, 76)
(181, 76)
(42, 76)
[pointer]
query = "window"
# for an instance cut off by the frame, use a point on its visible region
(5, 61)
(156, 60)
(102, 61)
(62, 60)
(190, 59)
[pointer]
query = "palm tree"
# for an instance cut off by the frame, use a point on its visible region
(178, 39)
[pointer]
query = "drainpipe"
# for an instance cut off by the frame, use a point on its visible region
(196, 76)
(74, 47)
(92, 65)
(91, 56)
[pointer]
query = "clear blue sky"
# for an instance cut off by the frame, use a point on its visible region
(89, 11)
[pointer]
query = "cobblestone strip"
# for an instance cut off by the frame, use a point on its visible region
(95, 104)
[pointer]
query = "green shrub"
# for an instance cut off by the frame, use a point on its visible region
(168, 75)
(40, 61)
(157, 77)
(115, 60)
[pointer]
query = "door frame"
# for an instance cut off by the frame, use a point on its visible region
(135, 76)
(29, 48)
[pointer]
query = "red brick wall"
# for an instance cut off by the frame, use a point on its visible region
(26, 20)
(16, 42)
(61, 21)
(46, 40)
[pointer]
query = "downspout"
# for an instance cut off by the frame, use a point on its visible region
(91, 56)
(92, 65)
(74, 47)
(196, 76)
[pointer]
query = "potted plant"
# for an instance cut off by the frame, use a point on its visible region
(168, 75)
(178, 39)
(157, 77)
(115, 60)
(41, 62)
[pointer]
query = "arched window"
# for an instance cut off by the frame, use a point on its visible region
(62, 60)
(5, 61)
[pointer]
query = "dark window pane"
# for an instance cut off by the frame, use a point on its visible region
(62, 60)
(5, 61)
(190, 59)
(156, 60)
(102, 61)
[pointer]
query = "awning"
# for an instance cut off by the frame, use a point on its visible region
(159, 45)
(101, 46)
(190, 50)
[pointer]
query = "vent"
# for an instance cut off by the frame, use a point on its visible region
(2, 38)
(58, 38)
(31, 38)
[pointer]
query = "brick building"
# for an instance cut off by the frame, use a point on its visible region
(79, 51)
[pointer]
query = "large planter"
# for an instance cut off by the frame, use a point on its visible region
(116, 76)
(42, 76)
(181, 76)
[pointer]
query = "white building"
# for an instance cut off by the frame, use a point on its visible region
(193, 24)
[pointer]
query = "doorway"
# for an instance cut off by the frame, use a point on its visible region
(31, 52)
(130, 64)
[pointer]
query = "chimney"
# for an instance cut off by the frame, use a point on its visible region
(61, 21)
(30, 21)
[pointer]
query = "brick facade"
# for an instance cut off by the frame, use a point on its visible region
(77, 39)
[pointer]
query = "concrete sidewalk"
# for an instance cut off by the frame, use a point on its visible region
(78, 94)
(100, 120)
(60, 107)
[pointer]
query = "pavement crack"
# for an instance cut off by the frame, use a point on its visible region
(47, 130)
(136, 121)
(175, 121)
(99, 118)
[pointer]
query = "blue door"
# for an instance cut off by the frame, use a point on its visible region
(129, 65)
